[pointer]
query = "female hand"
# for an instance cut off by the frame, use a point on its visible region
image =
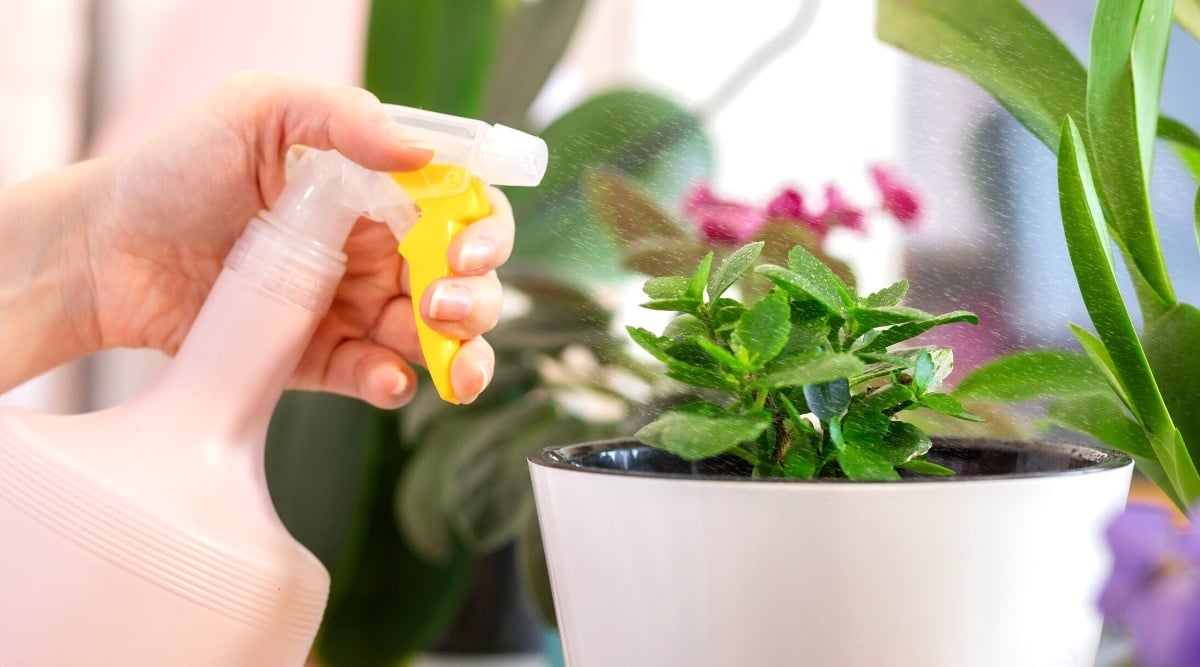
(160, 220)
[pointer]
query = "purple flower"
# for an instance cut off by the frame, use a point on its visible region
(720, 220)
(898, 199)
(839, 212)
(1154, 588)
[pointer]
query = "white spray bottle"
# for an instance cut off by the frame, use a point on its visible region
(144, 534)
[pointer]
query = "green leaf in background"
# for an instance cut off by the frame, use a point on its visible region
(431, 54)
(320, 458)
(1129, 49)
(1023, 376)
(531, 43)
(763, 329)
(810, 371)
(1106, 307)
(732, 267)
(654, 141)
(902, 332)
(1172, 345)
(1184, 141)
(649, 240)
(724, 357)
(1001, 46)
(699, 430)
(891, 295)
(948, 405)
(1100, 415)
(397, 602)
(863, 465)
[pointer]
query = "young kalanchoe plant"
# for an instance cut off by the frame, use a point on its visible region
(810, 384)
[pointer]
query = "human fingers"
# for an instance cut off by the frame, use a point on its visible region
(472, 369)
(291, 110)
(463, 306)
(486, 243)
(371, 372)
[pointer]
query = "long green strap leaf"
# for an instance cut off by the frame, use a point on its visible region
(1086, 239)
(1124, 81)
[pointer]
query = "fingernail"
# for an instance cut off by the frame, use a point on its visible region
(401, 384)
(451, 302)
(477, 255)
(485, 372)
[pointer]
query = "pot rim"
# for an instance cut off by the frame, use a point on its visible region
(1102, 459)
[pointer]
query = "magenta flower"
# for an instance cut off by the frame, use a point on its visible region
(898, 199)
(789, 205)
(839, 212)
(1154, 589)
(720, 220)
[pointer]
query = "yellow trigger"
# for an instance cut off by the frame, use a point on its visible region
(450, 198)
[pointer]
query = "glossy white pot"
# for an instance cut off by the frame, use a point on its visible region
(691, 568)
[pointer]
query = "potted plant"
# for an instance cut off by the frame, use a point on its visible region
(1132, 384)
(792, 517)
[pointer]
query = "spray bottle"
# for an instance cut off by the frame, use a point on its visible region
(144, 534)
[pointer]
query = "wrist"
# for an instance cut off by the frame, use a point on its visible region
(47, 299)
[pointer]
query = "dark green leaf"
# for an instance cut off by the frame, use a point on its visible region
(887, 399)
(657, 347)
(799, 423)
(1098, 285)
(800, 287)
(652, 139)
(732, 268)
(695, 288)
(902, 332)
(828, 400)
(700, 377)
(1101, 415)
(800, 462)
(670, 287)
(903, 443)
(321, 462)
(859, 464)
(864, 428)
(763, 330)
(1172, 345)
(891, 295)
(684, 326)
(676, 305)
(873, 318)
(810, 370)
(700, 430)
(407, 61)
(1000, 45)
(1035, 374)
(947, 404)
(723, 356)
(922, 467)
(1129, 46)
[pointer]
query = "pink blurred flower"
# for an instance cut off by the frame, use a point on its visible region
(789, 205)
(721, 220)
(898, 198)
(839, 212)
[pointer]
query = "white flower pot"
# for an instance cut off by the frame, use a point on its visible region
(692, 569)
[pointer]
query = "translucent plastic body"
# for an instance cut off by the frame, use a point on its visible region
(144, 534)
